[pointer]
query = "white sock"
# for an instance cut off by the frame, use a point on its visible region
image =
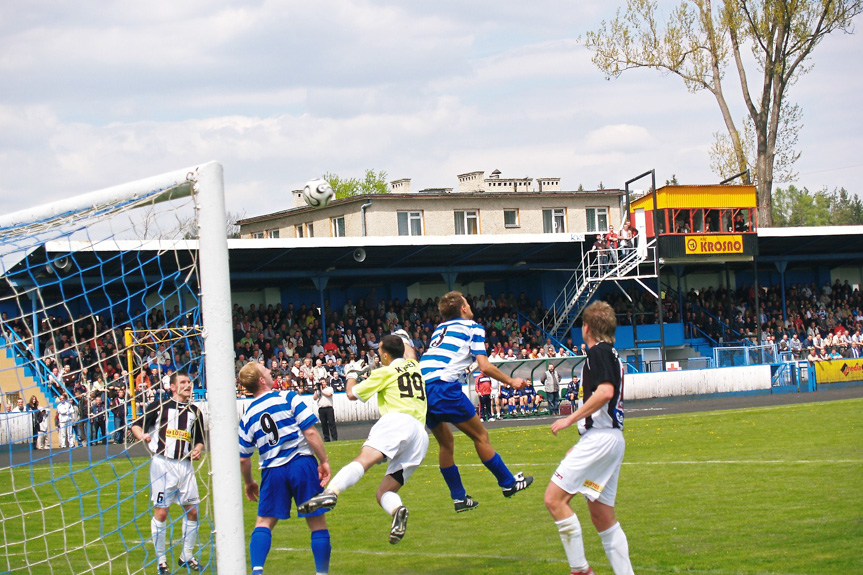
(157, 529)
(190, 538)
(391, 501)
(573, 545)
(616, 549)
(347, 476)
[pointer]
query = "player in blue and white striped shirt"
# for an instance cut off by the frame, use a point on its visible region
(455, 345)
(282, 428)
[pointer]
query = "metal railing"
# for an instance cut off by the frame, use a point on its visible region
(595, 267)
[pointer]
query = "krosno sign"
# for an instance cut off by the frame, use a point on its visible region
(714, 244)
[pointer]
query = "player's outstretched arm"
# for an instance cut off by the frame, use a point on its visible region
(491, 370)
(317, 444)
(600, 397)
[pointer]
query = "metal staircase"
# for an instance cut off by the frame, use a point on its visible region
(596, 267)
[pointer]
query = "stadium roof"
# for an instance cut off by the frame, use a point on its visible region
(340, 262)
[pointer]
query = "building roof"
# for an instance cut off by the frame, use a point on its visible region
(354, 202)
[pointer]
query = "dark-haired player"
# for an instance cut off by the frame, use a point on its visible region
(399, 436)
(592, 466)
(174, 432)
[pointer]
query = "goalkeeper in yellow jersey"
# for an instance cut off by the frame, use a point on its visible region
(398, 437)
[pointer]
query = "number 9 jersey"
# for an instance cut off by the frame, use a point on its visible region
(399, 387)
(274, 424)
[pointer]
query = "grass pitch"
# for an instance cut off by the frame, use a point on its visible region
(755, 491)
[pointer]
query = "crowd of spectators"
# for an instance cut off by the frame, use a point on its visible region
(85, 360)
(292, 343)
(826, 320)
(85, 357)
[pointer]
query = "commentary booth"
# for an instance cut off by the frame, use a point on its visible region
(699, 223)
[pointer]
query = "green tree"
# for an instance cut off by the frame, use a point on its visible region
(799, 207)
(846, 209)
(702, 39)
(793, 207)
(372, 183)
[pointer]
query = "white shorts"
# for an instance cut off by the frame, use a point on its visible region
(402, 439)
(592, 467)
(172, 481)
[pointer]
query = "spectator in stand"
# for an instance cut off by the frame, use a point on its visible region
(118, 411)
(97, 421)
(573, 391)
(482, 386)
(533, 398)
(326, 412)
(66, 412)
(551, 382)
(611, 239)
(36, 417)
(508, 398)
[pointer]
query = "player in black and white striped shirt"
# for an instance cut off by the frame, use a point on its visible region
(174, 432)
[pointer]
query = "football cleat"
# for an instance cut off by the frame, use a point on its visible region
(521, 483)
(465, 504)
(323, 500)
(400, 524)
(163, 569)
(587, 571)
(191, 564)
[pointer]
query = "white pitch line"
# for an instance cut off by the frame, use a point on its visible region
(694, 462)
(554, 560)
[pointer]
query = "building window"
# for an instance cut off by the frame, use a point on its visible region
(273, 234)
(466, 222)
(337, 226)
(597, 220)
(258, 235)
(306, 230)
(410, 223)
(510, 218)
(554, 220)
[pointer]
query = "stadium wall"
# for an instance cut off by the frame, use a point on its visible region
(698, 382)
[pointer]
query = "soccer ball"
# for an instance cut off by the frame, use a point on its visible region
(318, 193)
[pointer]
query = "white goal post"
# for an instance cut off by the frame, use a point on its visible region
(205, 185)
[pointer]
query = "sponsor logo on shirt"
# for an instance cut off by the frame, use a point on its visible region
(178, 434)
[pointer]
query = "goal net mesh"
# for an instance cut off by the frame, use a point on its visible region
(74, 485)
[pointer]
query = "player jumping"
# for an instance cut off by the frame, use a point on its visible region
(455, 344)
(399, 436)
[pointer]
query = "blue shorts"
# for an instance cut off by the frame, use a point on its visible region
(297, 480)
(447, 403)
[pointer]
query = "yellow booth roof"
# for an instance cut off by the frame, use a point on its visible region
(693, 197)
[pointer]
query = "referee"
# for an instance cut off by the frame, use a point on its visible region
(175, 435)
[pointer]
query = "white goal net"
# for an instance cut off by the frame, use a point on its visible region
(102, 298)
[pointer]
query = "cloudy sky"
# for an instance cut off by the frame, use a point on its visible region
(93, 94)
